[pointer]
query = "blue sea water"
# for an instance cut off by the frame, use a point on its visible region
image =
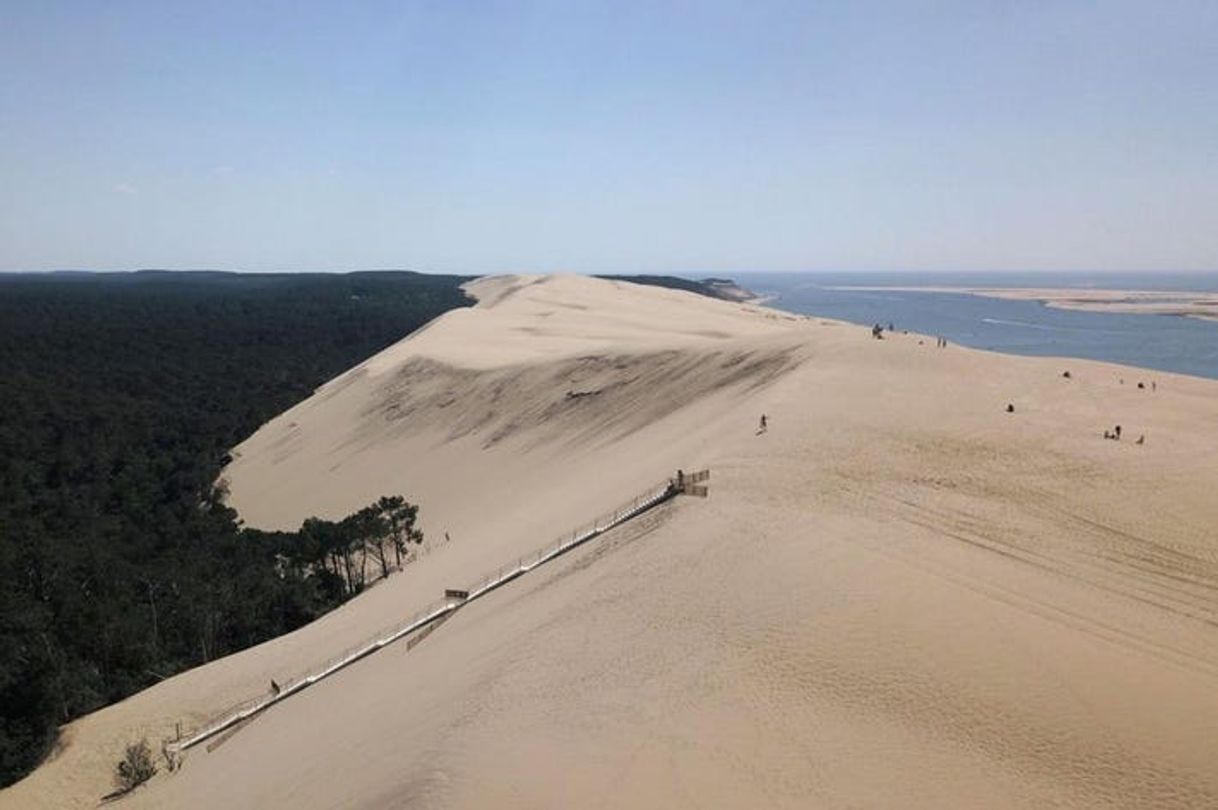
(1162, 342)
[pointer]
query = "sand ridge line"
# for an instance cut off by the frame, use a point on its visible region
(797, 638)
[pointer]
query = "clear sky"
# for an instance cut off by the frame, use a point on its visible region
(635, 137)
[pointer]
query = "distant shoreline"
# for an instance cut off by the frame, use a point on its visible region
(1186, 304)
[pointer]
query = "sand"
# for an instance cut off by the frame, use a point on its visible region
(899, 595)
(1131, 302)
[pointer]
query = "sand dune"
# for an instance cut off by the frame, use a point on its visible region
(898, 596)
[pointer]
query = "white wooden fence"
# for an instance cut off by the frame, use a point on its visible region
(436, 611)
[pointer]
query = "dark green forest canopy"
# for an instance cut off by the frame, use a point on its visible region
(723, 288)
(120, 395)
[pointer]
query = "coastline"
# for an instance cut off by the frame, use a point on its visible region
(1201, 305)
(898, 579)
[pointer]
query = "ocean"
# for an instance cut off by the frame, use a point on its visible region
(1161, 342)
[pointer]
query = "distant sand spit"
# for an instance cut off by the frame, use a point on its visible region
(1130, 302)
(898, 596)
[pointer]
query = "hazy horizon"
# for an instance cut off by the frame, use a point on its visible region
(610, 138)
(677, 272)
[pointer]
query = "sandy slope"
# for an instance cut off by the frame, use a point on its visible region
(898, 596)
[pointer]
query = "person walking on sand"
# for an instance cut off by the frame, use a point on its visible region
(764, 424)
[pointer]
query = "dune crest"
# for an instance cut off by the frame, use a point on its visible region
(898, 594)
(541, 363)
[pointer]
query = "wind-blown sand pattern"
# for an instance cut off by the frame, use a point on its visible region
(898, 596)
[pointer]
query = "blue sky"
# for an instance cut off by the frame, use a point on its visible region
(601, 137)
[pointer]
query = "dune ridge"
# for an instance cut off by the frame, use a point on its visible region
(897, 595)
